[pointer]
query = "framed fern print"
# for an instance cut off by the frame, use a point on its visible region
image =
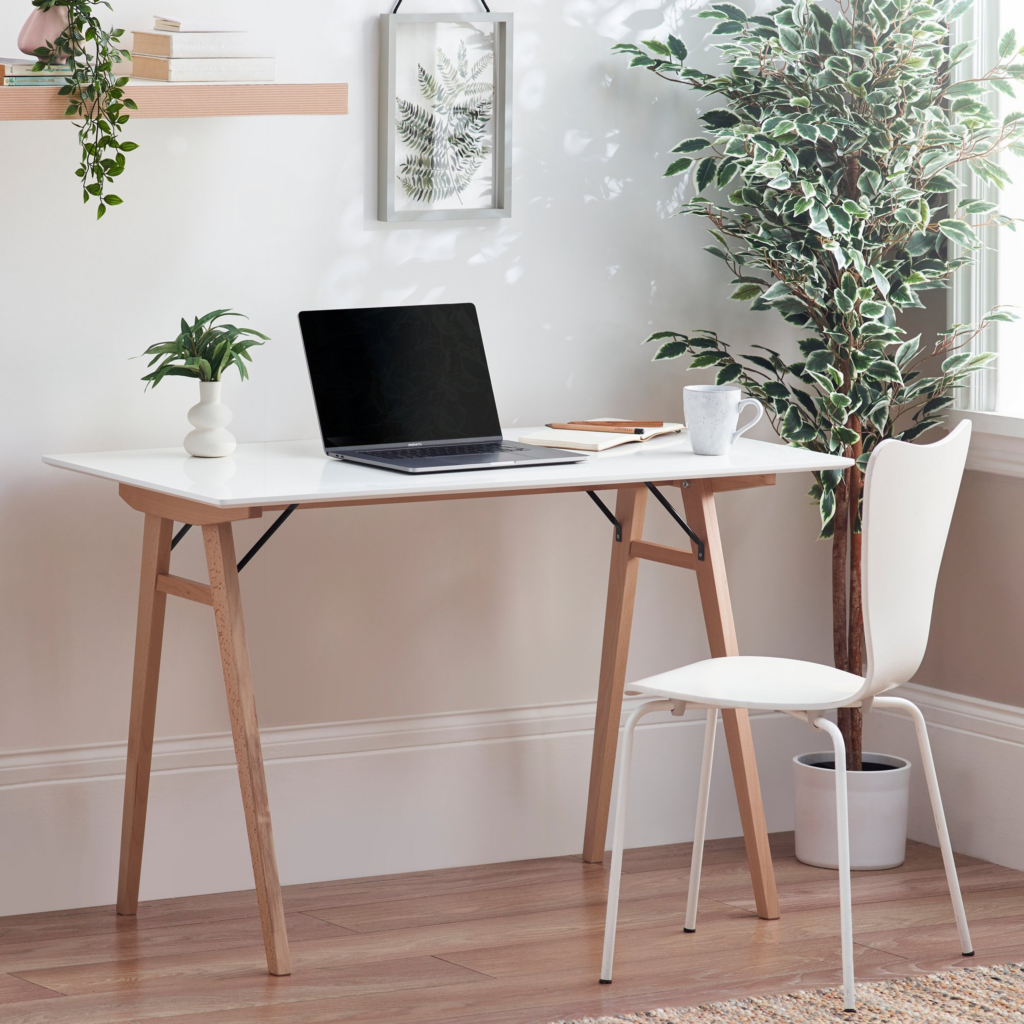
(445, 117)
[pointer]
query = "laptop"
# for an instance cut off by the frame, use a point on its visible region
(407, 388)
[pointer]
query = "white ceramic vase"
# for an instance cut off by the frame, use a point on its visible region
(210, 439)
(878, 802)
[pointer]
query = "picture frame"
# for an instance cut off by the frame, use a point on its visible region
(445, 132)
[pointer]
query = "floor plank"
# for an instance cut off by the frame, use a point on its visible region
(16, 990)
(498, 944)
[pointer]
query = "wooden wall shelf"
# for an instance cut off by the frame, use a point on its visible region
(159, 99)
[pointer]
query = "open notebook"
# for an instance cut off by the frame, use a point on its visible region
(594, 440)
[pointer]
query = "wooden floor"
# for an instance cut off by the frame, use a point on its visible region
(516, 943)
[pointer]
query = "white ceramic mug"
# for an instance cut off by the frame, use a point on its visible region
(713, 416)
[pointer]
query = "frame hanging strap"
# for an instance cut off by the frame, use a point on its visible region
(399, 4)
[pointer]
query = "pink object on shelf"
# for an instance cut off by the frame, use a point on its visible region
(42, 28)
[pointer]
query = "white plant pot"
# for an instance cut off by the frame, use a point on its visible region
(210, 439)
(878, 812)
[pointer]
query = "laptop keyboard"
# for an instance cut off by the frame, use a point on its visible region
(434, 451)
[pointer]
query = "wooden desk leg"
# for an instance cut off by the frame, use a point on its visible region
(234, 654)
(630, 507)
(699, 503)
(149, 635)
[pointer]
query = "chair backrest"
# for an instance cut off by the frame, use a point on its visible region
(909, 494)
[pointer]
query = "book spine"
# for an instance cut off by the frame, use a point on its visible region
(38, 81)
(188, 69)
(218, 45)
(25, 71)
(194, 26)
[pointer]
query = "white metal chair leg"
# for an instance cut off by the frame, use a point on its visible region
(845, 895)
(928, 764)
(619, 832)
(700, 828)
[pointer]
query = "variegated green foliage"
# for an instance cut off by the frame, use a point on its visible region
(446, 138)
(94, 94)
(204, 349)
(839, 138)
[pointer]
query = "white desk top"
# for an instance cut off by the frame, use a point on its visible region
(283, 472)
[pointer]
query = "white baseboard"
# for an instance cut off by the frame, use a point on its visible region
(354, 799)
(405, 794)
(979, 756)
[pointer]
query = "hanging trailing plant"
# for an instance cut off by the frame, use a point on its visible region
(94, 93)
(448, 140)
(839, 138)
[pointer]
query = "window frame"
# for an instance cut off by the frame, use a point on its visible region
(998, 445)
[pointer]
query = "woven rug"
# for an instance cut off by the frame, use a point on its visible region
(973, 995)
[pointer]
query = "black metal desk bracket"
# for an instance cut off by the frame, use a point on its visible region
(247, 558)
(180, 535)
(679, 519)
(608, 513)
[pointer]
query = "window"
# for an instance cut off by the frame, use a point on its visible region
(998, 278)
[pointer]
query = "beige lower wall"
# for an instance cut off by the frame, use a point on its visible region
(977, 641)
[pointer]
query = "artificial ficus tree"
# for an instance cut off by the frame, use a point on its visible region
(826, 172)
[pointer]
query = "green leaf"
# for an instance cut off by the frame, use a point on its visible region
(705, 359)
(841, 34)
(976, 206)
(731, 11)
(882, 369)
(954, 362)
(965, 89)
(678, 48)
(827, 506)
(1008, 44)
(746, 292)
(705, 173)
(673, 350)
(691, 146)
(881, 281)
(678, 166)
(657, 47)
(959, 232)
(720, 118)
(729, 373)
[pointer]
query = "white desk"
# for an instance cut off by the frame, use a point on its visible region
(168, 486)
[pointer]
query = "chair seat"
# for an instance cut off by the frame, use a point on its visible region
(774, 684)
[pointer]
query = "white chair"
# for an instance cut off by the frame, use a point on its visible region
(910, 492)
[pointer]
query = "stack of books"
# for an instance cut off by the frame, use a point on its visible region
(18, 71)
(200, 50)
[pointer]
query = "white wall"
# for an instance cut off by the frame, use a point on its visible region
(363, 613)
(499, 602)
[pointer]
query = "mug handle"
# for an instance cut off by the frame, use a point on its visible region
(753, 402)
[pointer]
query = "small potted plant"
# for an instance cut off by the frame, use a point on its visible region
(205, 350)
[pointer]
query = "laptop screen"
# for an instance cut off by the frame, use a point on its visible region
(399, 374)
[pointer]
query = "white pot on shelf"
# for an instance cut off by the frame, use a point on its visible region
(878, 801)
(210, 439)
